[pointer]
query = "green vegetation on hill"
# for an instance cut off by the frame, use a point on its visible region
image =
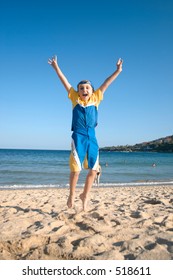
(159, 145)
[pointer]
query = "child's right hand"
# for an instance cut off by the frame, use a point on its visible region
(53, 61)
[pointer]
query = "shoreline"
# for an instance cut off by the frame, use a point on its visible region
(144, 183)
(121, 223)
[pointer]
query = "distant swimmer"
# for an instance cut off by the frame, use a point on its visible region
(153, 165)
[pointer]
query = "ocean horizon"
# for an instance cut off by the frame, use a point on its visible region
(33, 168)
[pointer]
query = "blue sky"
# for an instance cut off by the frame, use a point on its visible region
(88, 38)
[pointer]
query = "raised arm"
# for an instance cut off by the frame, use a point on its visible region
(53, 62)
(112, 77)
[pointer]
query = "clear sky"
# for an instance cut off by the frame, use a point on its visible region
(88, 38)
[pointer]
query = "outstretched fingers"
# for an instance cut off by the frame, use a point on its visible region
(120, 61)
(49, 61)
(53, 60)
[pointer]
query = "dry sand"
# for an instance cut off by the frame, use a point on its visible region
(121, 223)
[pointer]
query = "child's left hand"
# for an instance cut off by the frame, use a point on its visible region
(119, 64)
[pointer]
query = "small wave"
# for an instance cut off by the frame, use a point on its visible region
(102, 185)
(29, 186)
(158, 183)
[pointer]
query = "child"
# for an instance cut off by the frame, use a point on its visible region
(98, 175)
(85, 149)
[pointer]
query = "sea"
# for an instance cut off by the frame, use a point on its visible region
(20, 169)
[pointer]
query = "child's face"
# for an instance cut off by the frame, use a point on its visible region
(85, 91)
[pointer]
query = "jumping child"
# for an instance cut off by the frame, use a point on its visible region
(85, 151)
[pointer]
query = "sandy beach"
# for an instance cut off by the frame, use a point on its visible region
(121, 223)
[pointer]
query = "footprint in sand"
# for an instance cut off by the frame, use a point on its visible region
(36, 226)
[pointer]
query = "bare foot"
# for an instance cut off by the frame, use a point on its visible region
(84, 201)
(70, 201)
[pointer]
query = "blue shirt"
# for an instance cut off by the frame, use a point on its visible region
(85, 114)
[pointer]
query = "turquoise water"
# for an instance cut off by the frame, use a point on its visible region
(45, 168)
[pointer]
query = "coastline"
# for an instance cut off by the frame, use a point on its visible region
(141, 183)
(121, 223)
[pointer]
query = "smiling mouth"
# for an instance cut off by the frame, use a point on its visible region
(85, 94)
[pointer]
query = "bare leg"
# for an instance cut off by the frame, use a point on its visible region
(88, 184)
(74, 176)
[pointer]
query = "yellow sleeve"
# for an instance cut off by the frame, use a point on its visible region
(73, 95)
(99, 96)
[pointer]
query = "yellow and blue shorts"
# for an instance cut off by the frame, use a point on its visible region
(84, 152)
